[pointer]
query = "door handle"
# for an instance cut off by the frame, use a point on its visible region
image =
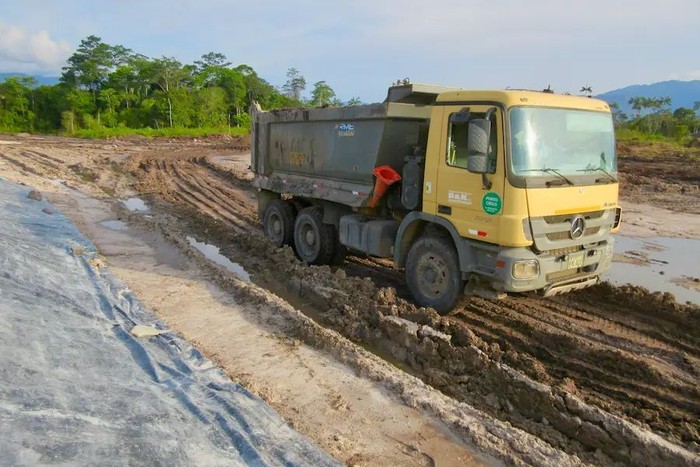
(442, 209)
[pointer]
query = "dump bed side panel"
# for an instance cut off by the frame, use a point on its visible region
(330, 153)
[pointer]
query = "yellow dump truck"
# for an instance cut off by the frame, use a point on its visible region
(470, 192)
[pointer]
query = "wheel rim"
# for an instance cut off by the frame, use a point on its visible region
(274, 229)
(309, 241)
(432, 274)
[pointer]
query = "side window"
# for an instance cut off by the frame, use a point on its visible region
(458, 138)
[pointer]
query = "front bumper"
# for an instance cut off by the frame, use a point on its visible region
(558, 272)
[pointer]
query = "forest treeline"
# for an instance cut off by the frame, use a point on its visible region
(652, 117)
(107, 86)
(109, 89)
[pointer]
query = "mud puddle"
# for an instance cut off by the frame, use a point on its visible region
(135, 204)
(213, 254)
(659, 264)
(114, 224)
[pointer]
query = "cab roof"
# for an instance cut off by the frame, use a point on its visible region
(428, 94)
(511, 97)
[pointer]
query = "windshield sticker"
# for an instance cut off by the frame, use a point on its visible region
(491, 203)
(459, 197)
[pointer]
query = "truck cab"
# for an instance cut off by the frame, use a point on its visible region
(544, 191)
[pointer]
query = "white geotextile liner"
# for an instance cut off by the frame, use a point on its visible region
(76, 388)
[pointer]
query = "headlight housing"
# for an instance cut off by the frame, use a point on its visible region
(527, 269)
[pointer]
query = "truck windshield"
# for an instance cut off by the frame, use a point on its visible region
(561, 143)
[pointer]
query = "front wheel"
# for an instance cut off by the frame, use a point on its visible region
(433, 274)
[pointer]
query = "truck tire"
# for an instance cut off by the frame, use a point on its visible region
(315, 241)
(433, 274)
(278, 223)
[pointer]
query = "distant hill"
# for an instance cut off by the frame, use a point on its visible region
(682, 93)
(41, 80)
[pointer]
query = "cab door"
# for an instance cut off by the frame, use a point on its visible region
(462, 198)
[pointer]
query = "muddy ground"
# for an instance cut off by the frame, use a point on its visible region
(660, 174)
(608, 375)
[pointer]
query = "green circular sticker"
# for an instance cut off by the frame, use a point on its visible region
(491, 203)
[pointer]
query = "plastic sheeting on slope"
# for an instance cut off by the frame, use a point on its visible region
(77, 388)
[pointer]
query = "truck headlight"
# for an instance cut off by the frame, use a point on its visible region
(528, 269)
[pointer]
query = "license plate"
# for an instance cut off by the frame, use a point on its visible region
(575, 261)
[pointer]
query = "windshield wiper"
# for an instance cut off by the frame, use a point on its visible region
(611, 178)
(553, 171)
(590, 168)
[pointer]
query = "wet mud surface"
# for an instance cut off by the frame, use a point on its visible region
(640, 362)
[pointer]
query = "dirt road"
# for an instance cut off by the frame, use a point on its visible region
(609, 374)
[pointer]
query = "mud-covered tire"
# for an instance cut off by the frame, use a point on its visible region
(314, 241)
(433, 274)
(339, 255)
(278, 222)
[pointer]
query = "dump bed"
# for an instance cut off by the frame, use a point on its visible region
(330, 153)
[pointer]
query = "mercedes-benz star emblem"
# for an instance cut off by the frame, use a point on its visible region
(578, 226)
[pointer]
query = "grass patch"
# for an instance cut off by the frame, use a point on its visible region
(627, 135)
(103, 133)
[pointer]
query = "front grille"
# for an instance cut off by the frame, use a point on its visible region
(567, 217)
(564, 235)
(563, 251)
(565, 275)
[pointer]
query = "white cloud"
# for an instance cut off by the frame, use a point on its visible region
(686, 75)
(27, 52)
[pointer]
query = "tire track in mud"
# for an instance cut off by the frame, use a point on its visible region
(44, 159)
(207, 197)
(634, 381)
(590, 343)
(189, 182)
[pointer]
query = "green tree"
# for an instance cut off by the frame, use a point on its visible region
(15, 107)
(211, 110)
(167, 73)
(295, 84)
(686, 117)
(619, 117)
(48, 104)
(322, 94)
(212, 59)
(89, 66)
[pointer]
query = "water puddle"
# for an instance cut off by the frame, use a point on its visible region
(135, 204)
(213, 254)
(659, 264)
(115, 225)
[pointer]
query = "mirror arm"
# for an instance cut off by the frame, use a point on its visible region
(486, 183)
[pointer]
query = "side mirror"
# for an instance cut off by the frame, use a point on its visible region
(478, 145)
(460, 117)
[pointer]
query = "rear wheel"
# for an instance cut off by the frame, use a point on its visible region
(433, 274)
(278, 223)
(315, 241)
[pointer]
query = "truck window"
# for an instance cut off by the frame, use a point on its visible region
(457, 144)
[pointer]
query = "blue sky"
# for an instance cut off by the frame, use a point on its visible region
(359, 47)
